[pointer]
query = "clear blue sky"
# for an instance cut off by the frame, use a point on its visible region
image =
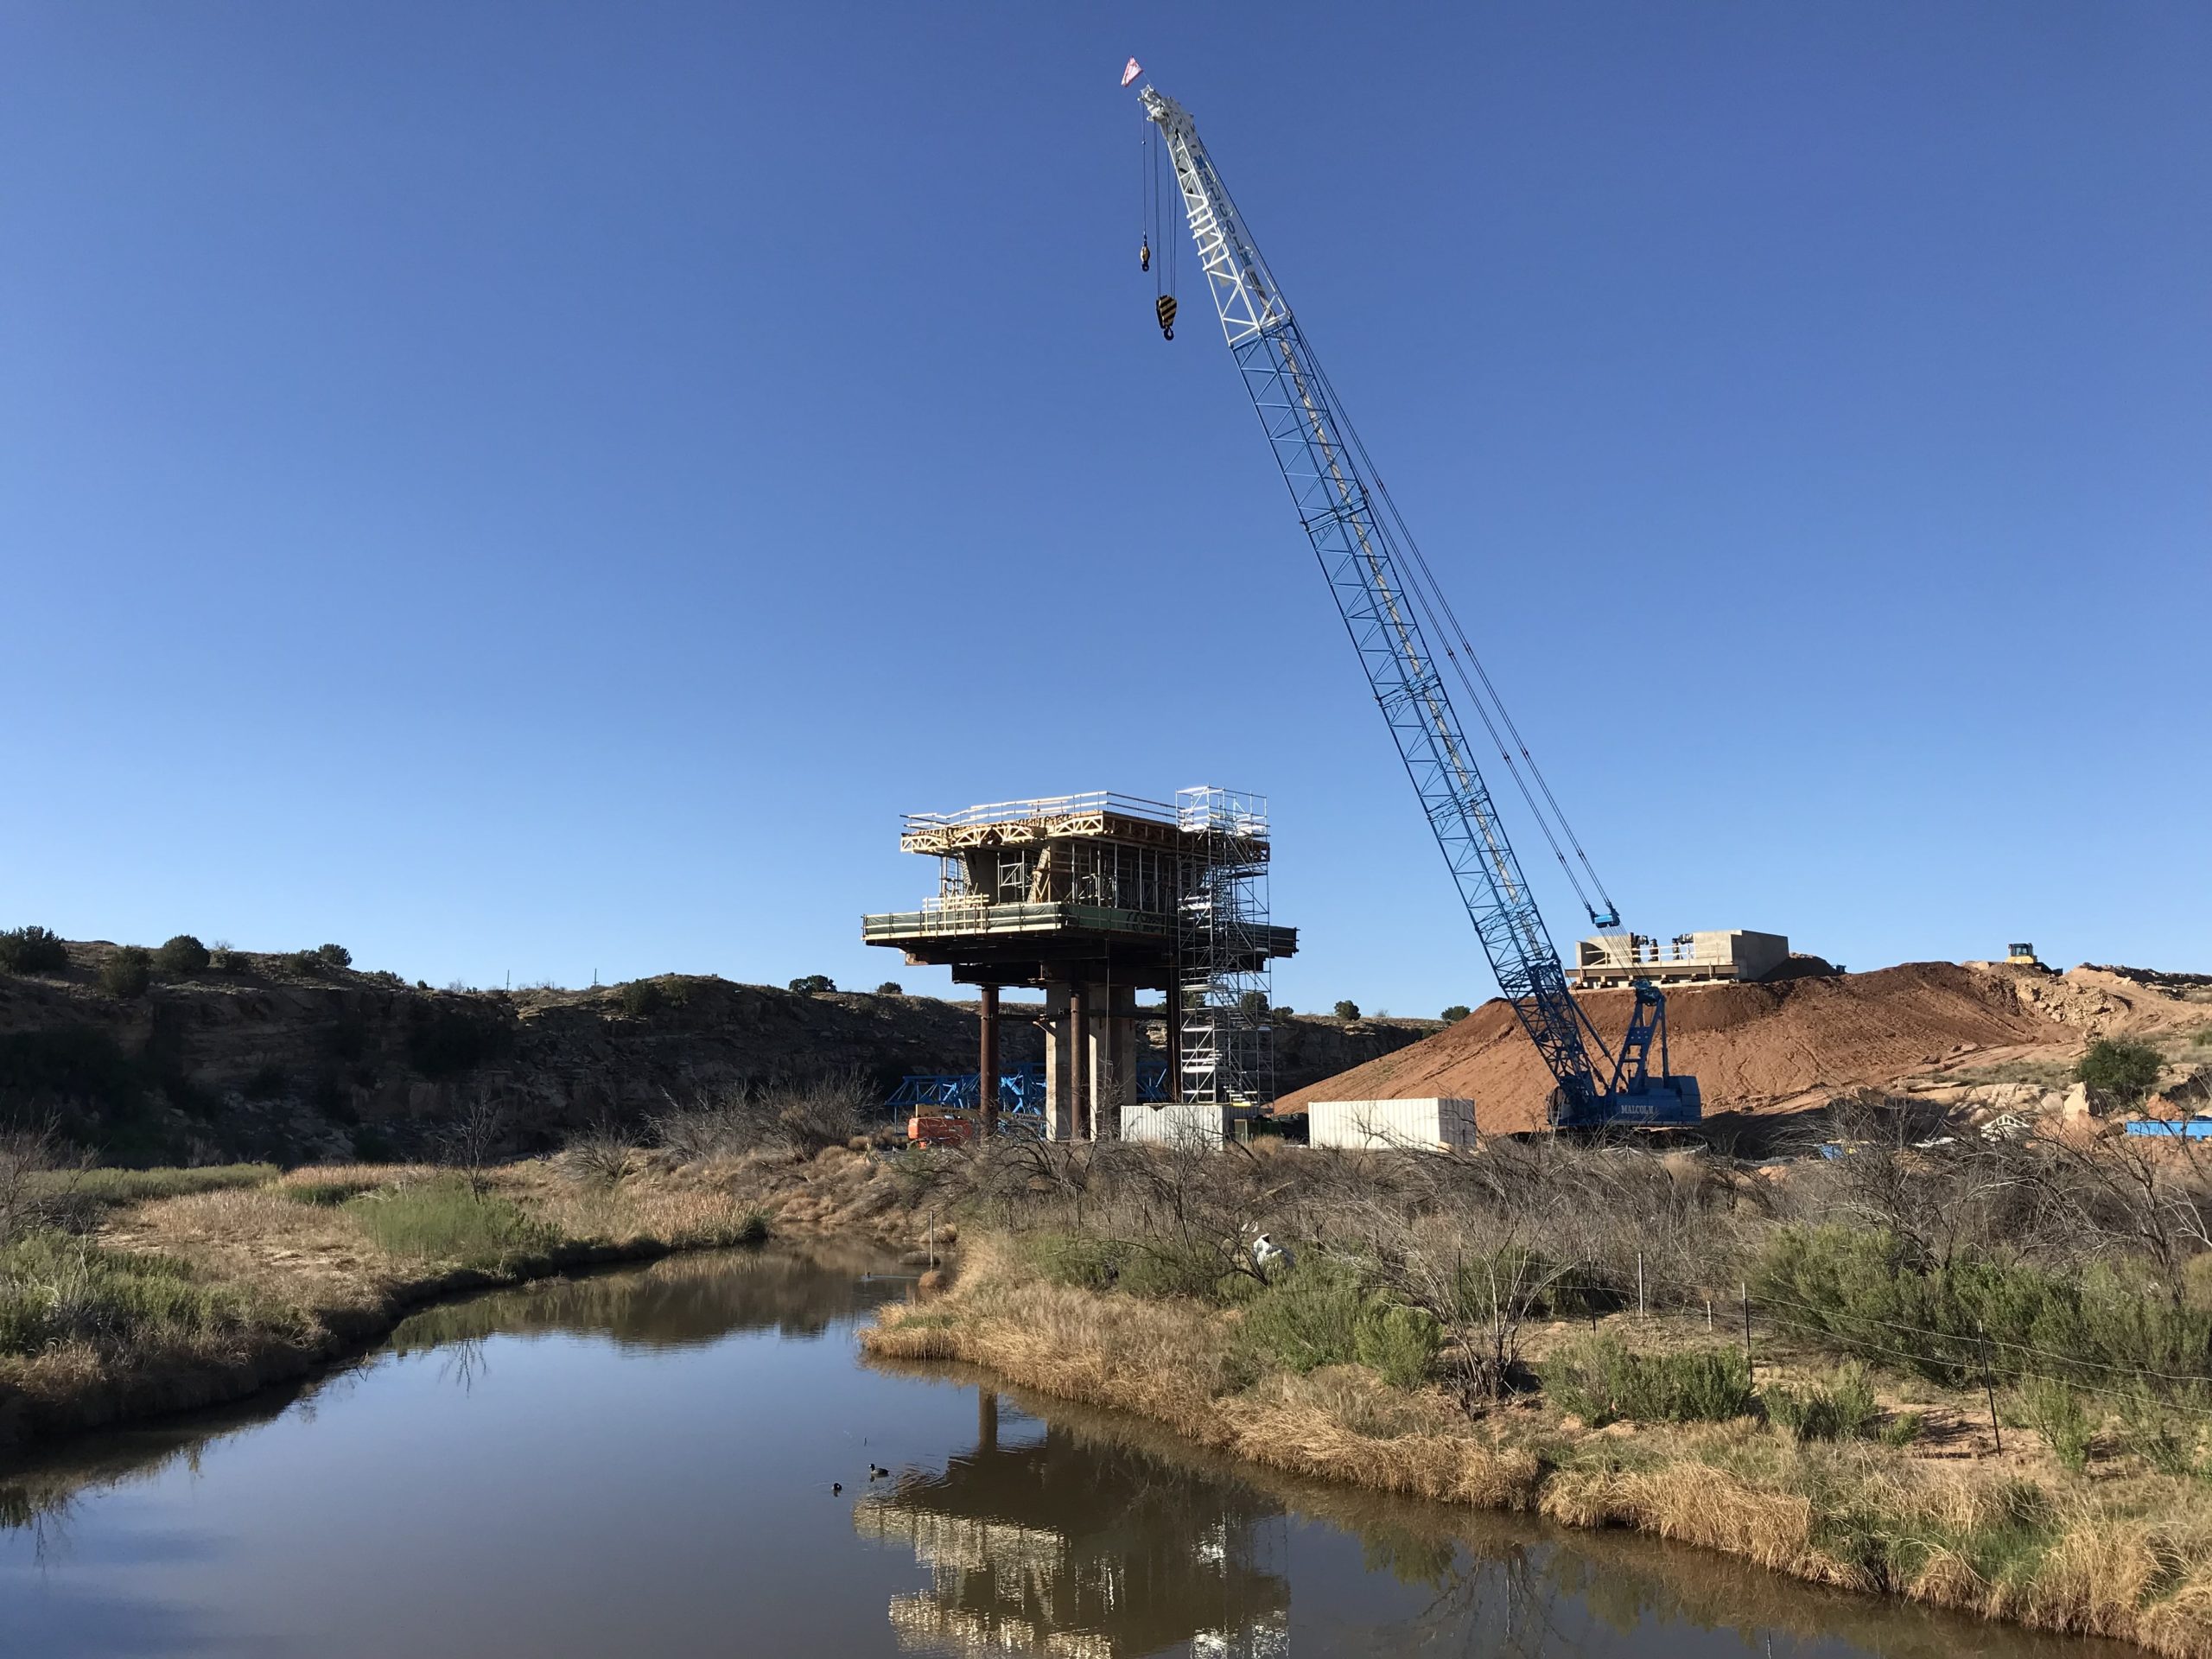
(539, 489)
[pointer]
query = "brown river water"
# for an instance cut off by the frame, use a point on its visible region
(641, 1463)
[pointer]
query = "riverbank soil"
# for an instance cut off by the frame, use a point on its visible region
(143, 1292)
(1941, 1519)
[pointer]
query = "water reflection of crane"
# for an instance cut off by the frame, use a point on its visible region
(1081, 1550)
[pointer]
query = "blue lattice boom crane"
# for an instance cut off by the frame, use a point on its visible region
(1391, 606)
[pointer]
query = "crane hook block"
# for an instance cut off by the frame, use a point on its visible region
(1167, 309)
(1144, 254)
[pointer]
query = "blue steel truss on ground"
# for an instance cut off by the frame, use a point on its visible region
(1021, 1090)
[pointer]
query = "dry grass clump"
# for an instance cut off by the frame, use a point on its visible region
(1163, 1360)
(630, 1214)
(1695, 1503)
(1344, 1424)
(336, 1183)
(264, 1241)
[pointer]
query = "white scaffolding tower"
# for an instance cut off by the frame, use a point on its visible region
(1224, 991)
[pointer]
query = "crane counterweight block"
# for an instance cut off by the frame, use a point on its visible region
(1336, 492)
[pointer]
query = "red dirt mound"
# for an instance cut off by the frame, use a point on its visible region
(1748, 1045)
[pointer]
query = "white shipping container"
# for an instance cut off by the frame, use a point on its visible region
(1438, 1123)
(1174, 1121)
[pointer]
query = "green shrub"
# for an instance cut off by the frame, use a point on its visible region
(33, 951)
(2122, 1071)
(1153, 1268)
(1599, 1380)
(181, 957)
(1307, 1318)
(128, 972)
(1841, 1408)
(1078, 1261)
(1456, 1013)
(56, 1288)
(1321, 1313)
(2054, 1410)
(2150, 1429)
(1861, 1291)
(333, 955)
(448, 1220)
(1902, 1430)
(643, 996)
(2203, 1037)
(808, 984)
(1347, 1009)
(1400, 1342)
(1159, 1268)
(891, 988)
(222, 959)
(753, 1230)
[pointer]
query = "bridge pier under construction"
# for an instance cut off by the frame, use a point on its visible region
(1092, 899)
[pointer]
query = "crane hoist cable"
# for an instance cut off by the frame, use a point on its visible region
(1157, 233)
(1145, 216)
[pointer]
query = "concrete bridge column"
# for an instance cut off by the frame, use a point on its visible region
(1060, 1052)
(988, 1094)
(1113, 1056)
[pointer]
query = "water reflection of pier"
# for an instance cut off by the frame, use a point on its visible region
(1045, 1545)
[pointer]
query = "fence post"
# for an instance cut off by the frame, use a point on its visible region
(1639, 1284)
(1743, 1294)
(1989, 1389)
(1708, 1315)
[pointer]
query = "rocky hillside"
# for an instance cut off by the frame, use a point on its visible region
(296, 1058)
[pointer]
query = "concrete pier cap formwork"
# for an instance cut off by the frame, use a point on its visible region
(1093, 899)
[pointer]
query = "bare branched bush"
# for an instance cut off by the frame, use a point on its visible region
(2060, 1199)
(32, 1183)
(797, 1119)
(599, 1156)
(2123, 1195)
(1940, 1188)
(473, 1138)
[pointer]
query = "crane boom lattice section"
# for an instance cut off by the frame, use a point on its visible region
(1337, 501)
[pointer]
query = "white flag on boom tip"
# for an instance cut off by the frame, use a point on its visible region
(1130, 73)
